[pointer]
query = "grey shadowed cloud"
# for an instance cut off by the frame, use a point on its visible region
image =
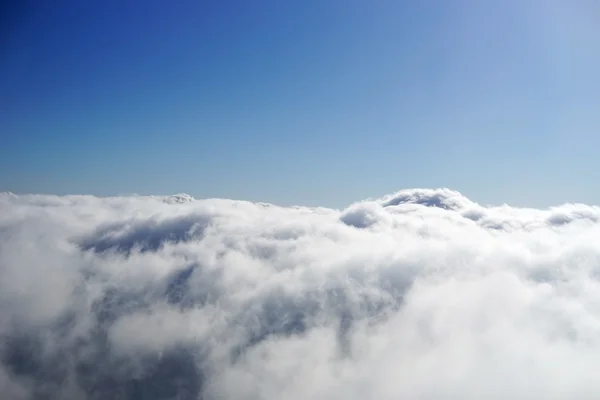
(421, 294)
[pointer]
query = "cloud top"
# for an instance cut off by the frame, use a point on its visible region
(421, 294)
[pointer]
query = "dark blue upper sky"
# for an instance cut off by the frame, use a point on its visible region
(308, 102)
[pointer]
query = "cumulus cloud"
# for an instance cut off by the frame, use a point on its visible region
(421, 294)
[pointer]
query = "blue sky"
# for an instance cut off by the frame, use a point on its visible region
(310, 102)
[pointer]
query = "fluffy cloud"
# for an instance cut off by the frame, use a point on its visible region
(422, 294)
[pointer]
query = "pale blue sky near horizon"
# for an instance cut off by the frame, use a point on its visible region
(311, 102)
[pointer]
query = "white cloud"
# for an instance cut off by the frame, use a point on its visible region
(422, 294)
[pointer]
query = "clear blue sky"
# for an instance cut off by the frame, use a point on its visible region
(304, 102)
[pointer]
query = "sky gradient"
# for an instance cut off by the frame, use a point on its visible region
(312, 102)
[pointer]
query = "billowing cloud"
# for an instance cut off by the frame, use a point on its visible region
(422, 294)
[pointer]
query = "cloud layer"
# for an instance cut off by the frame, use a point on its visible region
(422, 294)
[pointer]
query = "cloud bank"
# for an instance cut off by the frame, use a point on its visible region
(422, 294)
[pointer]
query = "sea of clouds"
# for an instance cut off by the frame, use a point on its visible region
(422, 294)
